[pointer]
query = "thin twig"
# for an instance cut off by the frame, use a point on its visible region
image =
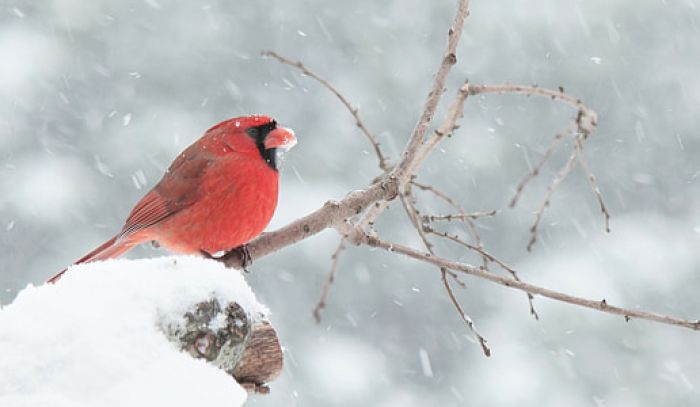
(449, 59)
(538, 166)
(410, 161)
(481, 251)
(532, 90)
(408, 202)
(458, 207)
(563, 173)
(454, 113)
(583, 126)
(330, 278)
(460, 216)
(492, 258)
(467, 320)
(592, 182)
(601, 305)
(383, 163)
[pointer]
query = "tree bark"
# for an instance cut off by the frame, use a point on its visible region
(228, 338)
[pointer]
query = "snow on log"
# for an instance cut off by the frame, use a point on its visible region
(167, 331)
(224, 337)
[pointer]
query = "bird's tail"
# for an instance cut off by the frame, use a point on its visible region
(108, 250)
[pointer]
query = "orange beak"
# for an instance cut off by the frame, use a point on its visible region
(281, 138)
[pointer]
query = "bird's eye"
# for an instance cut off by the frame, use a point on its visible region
(253, 132)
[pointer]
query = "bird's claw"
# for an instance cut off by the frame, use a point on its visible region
(241, 252)
(206, 255)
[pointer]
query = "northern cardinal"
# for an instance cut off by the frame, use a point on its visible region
(218, 194)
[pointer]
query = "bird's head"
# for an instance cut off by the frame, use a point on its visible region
(253, 135)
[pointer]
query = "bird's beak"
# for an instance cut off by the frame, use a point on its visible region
(281, 138)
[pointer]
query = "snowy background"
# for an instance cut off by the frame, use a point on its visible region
(97, 97)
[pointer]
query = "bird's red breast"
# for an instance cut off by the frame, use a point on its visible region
(235, 200)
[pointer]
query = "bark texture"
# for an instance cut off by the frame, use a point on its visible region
(229, 339)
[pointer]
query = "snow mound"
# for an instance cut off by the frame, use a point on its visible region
(92, 339)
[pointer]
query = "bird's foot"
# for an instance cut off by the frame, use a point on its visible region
(240, 253)
(207, 255)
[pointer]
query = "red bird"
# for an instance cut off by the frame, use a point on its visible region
(218, 194)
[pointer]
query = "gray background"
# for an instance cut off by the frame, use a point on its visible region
(97, 97)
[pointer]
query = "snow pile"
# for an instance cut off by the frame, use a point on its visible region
(92, 338)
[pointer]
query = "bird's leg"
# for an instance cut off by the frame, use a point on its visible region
(247, 258)
(240, 252)
(206, 255)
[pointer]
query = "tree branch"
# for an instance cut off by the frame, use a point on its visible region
(592, 182)
(383, 163)
(449, 59)
(601, 305)
(459, 216)
(561, 175)
(582, 126)
(331, 215)
(330, 278)
(353, 216)
(467, 320)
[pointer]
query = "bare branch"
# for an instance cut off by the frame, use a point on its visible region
(467, 320)
(408, 201)
(408, 165)
(439, 194)
(536, 169)
(601, 305)
(459, 208)
(373, 213)
(455, 112)
(582, 126)
(592, 182)
(563, 173)
(460, 216)
(490, 257)
(431, 103)
(383, 163)
(414, 215)
(480, 250)
(585, 122)
(330, 278)
(330, 215)
(559, 95)
(398, 181)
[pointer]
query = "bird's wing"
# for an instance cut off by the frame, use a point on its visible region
(178, 189)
